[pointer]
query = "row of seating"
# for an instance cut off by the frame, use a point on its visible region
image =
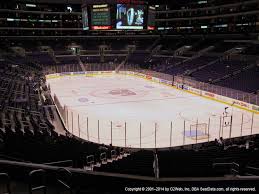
(26, 127)
(211, 159)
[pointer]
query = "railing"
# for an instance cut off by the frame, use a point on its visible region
(64, 179)
(37, 181)
(61, 109)
(23, 165)
(80, 180)
(64, 163)
(251, 170)
(231, 167)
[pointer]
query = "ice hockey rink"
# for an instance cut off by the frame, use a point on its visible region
(134, 112)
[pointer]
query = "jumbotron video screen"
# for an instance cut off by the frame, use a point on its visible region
(130, 17)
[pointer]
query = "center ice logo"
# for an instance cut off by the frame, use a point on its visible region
(83, 100)
(122, 92)
(149, 87)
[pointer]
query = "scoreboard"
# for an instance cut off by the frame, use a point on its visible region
(151, 18)
(100, 17)
(118, 15)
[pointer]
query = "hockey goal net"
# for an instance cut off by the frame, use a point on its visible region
(201, 127)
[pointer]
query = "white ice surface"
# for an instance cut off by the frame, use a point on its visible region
(120, 98)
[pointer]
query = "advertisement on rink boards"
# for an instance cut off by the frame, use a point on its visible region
(155, 79)
(195, 91)
(219, 98)
(166, 82)
(65, 74)
(51, 76)
(149, 77)
(79, 73)
(140, 75)
(182, 86)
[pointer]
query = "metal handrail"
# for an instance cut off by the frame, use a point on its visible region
(42, 185)
(253, 168)
(234, 167)
(24, 165)
(64, 178)
(57, 163)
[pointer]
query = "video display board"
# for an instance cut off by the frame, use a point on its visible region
(100, 17)
(130, 16)
(85, 18)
